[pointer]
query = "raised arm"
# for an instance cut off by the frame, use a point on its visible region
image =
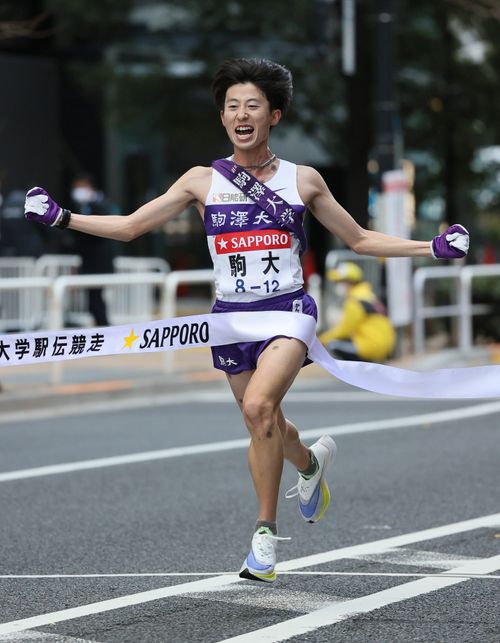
(189, 189)
(452, 244)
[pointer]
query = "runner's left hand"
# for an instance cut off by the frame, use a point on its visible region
(452, 244)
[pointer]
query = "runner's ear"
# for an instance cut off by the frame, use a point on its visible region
(275, 117)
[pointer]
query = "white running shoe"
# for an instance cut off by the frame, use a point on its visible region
(261, 560)
(313, 493)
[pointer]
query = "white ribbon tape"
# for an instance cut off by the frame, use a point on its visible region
(228, 328)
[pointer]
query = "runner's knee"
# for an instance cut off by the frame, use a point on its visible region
(260, 416)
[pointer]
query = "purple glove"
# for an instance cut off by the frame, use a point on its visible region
(452, 244)
(41, 207)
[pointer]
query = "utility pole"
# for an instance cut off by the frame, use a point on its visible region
(355, 67)
(391, 180)
(386, 114)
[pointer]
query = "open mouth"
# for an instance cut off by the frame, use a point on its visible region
(244, 130)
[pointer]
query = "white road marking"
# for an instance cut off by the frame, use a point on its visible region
(116, 603)
(332, 614)
(214, 583)
(418, 558)
(191, 397)
(449, 415)
(277, 599)
(384, 544)
(40, 637)
(208, 574)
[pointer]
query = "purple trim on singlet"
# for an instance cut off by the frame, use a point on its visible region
(269, 303)
(223, 217)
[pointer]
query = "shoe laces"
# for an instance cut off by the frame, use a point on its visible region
(265, 544)
(303, 487)
(292, 492)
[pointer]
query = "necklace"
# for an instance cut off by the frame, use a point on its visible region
(260, 166)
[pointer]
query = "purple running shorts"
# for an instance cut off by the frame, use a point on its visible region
(236, 358)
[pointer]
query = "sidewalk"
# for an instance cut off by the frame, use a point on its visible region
(125, 375)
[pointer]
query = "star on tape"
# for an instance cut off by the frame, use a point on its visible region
(130, 339)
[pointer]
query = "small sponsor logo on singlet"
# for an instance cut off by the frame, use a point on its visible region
(229, 197)
(249, 240)
(297, 306)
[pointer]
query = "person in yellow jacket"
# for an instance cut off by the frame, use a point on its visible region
(364, 331)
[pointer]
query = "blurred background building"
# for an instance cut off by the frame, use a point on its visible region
(120, 88)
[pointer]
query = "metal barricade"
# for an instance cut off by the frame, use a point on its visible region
(58, 265)
(463, 310)
(31, 297)
(141, 264)
(62, 285)
(169, 308)
(139, 302)
(124, 302)
(167, 284)
(421, 311)
(467, 309)
(19, 309)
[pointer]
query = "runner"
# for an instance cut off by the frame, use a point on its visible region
(252, 206)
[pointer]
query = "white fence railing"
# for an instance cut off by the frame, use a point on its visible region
(464, 310)
(54, 293)
(25, 308)
(166, 284)
(142, 298)
(62, 286)
(421, 311)
(467, 309)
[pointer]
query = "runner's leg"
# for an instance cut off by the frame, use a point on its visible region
(293, 449)
(259, 395)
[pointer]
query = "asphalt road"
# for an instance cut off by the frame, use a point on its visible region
(127, 522)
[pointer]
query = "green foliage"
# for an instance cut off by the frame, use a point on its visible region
(448, 97)
(89, 20)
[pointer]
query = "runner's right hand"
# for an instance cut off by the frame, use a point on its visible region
(41, 207)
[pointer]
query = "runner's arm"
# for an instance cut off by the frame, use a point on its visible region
(341, 224)
(149, 216)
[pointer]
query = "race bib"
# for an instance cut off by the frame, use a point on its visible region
(257, 261)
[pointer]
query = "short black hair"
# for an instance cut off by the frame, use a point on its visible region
(273, 80)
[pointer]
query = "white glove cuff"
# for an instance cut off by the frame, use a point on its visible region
(58, 218)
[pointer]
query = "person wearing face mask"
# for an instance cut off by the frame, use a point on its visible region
(364, 332)
(97, 253)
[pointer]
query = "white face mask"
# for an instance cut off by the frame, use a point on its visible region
(341, 290)
(83, 195)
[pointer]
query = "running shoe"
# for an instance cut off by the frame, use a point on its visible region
(261, 560)
(313, 493)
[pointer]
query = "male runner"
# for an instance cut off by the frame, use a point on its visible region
(258, 272)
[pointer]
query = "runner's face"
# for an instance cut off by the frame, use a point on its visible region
(247, 116)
